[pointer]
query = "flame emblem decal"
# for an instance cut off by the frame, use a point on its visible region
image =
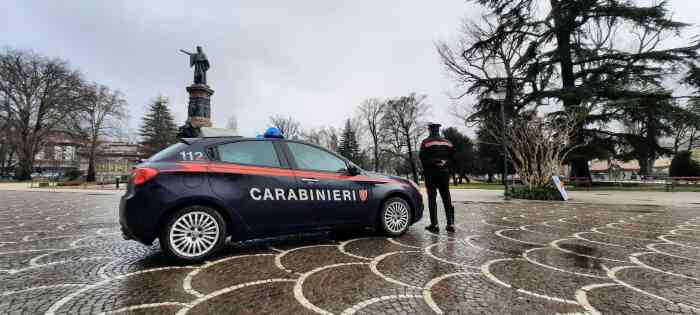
(363, 195)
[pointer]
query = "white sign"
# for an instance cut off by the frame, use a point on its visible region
(560, 187)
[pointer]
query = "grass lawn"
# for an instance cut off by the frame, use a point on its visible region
(645, 187)
(478, 185)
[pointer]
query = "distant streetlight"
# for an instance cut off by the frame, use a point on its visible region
(500, 96)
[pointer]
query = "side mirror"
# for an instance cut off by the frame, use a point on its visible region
(353, 170)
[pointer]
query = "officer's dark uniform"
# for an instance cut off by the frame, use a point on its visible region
(436, 155)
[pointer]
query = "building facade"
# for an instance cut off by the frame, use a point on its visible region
(62, 154)
(113, 159)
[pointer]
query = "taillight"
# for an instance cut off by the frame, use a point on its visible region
(142, 174)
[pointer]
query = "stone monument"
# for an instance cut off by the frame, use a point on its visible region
(199, 107)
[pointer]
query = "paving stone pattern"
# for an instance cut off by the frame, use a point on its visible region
(62, 253)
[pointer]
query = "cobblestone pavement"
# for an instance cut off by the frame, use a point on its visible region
(62, 253)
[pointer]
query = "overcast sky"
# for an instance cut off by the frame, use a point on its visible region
(313, 60)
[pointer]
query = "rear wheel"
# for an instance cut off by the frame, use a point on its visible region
(395, 217)
(192, 234)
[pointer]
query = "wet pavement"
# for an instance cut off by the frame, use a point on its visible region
(63, 253)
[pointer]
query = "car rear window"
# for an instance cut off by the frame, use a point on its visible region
(168, 152)
(260, 153)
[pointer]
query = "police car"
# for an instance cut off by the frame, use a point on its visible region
(196, 193)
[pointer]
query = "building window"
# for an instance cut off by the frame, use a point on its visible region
(64, 153)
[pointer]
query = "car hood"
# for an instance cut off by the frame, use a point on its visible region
(385, 176)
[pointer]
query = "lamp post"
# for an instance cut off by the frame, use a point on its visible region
(500, 96)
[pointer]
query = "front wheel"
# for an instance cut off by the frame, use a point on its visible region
(193, 234)
(395, 217)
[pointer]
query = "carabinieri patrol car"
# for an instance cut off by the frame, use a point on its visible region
(194, 194)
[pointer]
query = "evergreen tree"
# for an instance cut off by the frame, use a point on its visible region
(464, 158)
(683, 165)
(348, 147)
(489, 155)
(647, 119)
(569, 52)
(158, 129)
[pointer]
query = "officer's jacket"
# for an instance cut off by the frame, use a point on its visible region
(436, 154)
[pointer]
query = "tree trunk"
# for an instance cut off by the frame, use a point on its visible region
(579, 165)
(3, 158)
(643, 164)
(25, 165)
(414, 170)
(91, 168)
(490, 175)
(10, 157)
(376, 155)
(676, 145)
(646, 161)
(91, 158)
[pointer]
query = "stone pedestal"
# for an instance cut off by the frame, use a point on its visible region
(198, 110)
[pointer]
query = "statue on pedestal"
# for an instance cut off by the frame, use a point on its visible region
(199, 107)
(200, 63)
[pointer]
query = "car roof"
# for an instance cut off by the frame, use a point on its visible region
(214, 140)
(209, 140)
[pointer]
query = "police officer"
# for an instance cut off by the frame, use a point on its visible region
(436, 154)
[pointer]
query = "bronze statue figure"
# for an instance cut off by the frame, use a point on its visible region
(200, 63)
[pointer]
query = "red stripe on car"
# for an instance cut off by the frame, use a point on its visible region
(267, 171)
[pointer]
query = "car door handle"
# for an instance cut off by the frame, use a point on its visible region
(309, 180)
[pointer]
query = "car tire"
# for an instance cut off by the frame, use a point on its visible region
(192, 234)
(395, 217)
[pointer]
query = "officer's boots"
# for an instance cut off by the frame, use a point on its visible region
(433, 227)
(450, 213)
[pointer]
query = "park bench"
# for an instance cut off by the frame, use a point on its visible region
(578, 181)
(672, 182)
(41, 181)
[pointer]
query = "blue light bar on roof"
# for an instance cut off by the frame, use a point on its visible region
(273, 132)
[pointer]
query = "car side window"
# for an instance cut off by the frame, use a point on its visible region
(260, 153)
(311, 158)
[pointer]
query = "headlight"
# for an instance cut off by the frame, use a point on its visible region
(414, 185)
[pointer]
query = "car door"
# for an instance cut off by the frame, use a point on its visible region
(254, 178)
(335, 196)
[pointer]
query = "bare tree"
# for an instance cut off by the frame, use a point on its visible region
(330, 138)
(327, 137)
(403, 118)
(101, 115)
(371, 112)
(287, 125)
(686, 126)
(537, 146)
(482, 68)
(7, 143)
(40, 93)
(311, 135)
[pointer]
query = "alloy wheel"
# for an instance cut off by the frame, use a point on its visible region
(194, 234)
(396, 217)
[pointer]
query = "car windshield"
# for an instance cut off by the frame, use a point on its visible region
(167, 152)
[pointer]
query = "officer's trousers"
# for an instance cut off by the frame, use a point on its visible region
(434, 182)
